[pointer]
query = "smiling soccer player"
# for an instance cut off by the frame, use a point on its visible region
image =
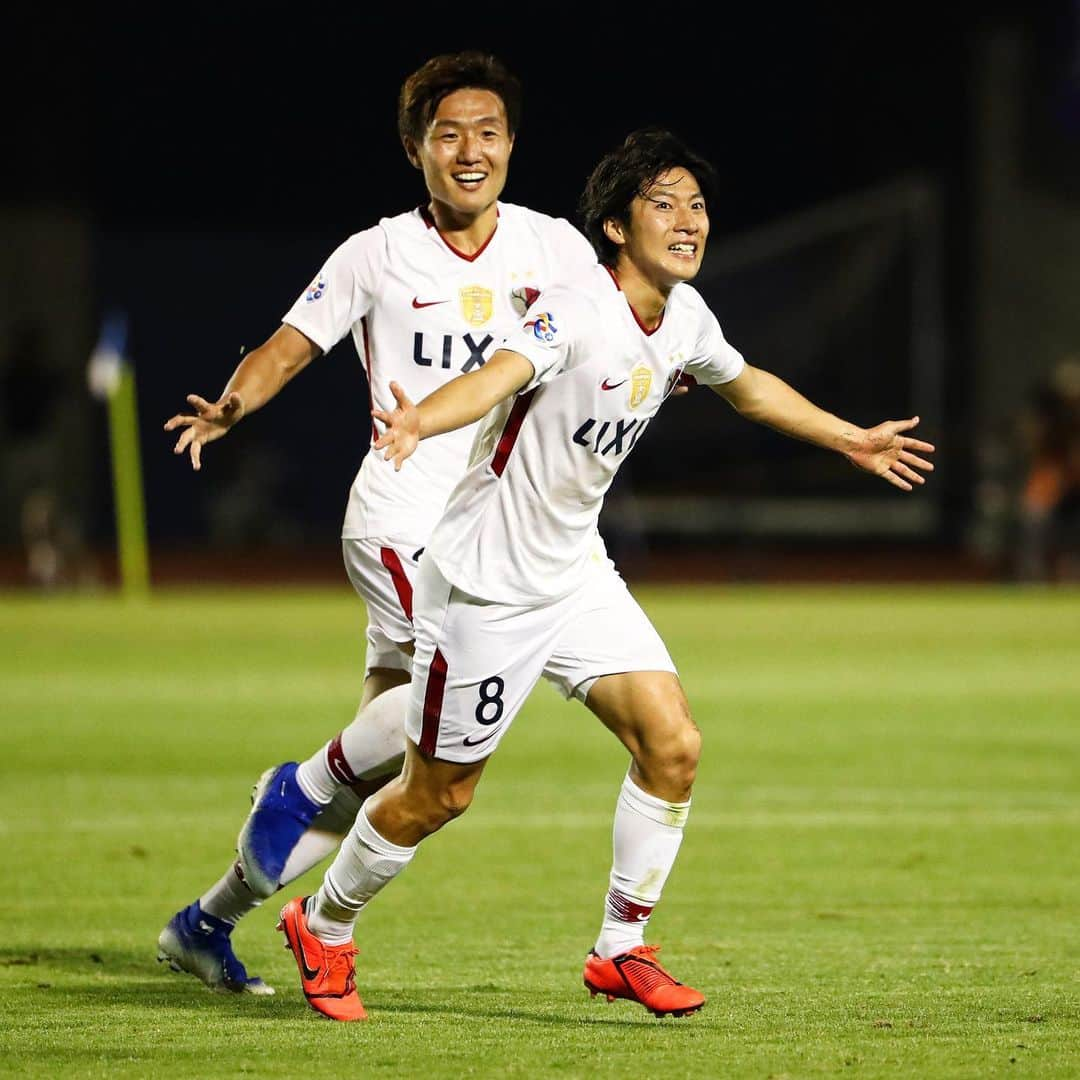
(512, 586)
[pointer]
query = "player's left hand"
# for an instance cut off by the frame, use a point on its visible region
(402, 428)
(887, 453)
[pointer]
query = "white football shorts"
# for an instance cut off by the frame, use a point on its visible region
(383, 572)
(477, 661)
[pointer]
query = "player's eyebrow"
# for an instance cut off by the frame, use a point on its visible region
(652, 195)
(479, 122)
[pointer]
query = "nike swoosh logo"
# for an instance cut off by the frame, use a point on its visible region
(418, 303)
(605, 385)
(309, 973)
(477, 742)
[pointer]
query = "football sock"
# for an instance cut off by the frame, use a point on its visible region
(370, 746)
(324, 835)
(229, 899)
(364, 864)
(646, 836)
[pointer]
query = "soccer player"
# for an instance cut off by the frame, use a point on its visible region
(511, 586)
(427, 295)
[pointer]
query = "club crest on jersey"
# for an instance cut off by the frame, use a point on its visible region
(316, 289)
(477, 304)
(640, 385)
(673, 379)
(543, 327)
(523, 297)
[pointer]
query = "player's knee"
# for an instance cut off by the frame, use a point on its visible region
(670, 762)
(684, 753)
(441, 805)
(454, 800)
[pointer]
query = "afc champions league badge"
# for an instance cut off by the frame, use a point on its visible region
(543, 327)
(316, 288)
(477, 304)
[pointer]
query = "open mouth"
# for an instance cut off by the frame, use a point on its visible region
(470, 180)
(683, 250)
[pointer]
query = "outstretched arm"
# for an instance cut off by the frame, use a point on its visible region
(882, 450)
(261, 374)
(454, 405)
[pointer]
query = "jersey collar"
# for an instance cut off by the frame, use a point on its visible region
(429, 221)
(637, 318)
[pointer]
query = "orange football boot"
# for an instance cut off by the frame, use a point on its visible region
(637, 976)
(327, 972)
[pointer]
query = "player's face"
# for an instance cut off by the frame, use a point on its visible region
(668, 229)
(465, 152)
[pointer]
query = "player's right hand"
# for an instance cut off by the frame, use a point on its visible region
(212, 420)
(402, 428)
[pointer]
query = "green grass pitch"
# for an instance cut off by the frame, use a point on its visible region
(879, 878)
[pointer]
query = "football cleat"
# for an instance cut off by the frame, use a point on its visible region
(199, 944)
(637, 976)
(280, 814)
(327, 972)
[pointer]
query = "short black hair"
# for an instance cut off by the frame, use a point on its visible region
(442, 75)
(629, 171)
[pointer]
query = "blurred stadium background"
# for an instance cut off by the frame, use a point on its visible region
(900, 233)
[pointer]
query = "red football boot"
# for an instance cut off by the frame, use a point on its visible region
(637, 976)
(327, 972)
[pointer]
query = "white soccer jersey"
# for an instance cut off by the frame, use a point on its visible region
(421, 313)
(519, 526)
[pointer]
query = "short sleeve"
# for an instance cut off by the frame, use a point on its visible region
(714, 361)
(548, 337)
(342, 292)
(575, 253)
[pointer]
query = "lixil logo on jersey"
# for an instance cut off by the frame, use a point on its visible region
(543, 327)
(315, 289)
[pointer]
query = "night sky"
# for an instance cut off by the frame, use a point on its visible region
(254, 118)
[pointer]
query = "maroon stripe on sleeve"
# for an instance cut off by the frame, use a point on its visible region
(367, 371)
(401, 583)
(433, 699)
(510, 432)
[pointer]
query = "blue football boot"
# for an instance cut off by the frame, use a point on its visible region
(280, 814)
(199, 944)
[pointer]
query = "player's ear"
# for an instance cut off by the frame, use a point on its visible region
(411, 151)
(614, 231)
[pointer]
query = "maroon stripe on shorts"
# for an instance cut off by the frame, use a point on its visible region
(433, 699)
(510, 432)
(401, 583)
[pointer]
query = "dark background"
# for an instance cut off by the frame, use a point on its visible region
(218, 156)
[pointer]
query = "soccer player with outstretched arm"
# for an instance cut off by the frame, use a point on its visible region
(512, 585)
(426, 295)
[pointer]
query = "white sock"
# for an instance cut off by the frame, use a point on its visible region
(229, 899)
(323, 837)
(365, 863)
(372, 745)
(646, 837)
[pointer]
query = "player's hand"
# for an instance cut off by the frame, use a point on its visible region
(212, 420)
(887, 453)
(683, 386)
(402, 428)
